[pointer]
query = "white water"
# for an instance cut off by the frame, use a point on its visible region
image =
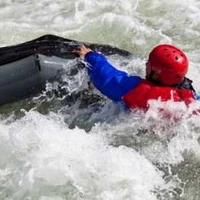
(123, 156)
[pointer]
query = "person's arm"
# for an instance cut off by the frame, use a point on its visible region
(108, 80)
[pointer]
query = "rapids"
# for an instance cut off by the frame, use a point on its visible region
(83, 146)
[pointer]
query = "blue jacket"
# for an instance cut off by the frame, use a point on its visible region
(110, 81)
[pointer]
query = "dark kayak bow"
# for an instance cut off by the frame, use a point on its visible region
(51, 45)
(25, 68)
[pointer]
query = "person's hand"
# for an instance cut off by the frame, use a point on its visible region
(82, 51)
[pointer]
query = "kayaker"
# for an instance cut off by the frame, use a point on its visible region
(165, 79)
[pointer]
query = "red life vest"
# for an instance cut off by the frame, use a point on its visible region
(138, 97)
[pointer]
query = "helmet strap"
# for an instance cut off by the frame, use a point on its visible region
(152, 77)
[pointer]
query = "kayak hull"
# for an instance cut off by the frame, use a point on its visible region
(26, 68)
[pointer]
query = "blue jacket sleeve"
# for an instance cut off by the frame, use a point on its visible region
(108, 80)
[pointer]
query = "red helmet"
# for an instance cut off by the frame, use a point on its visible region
(168, 63)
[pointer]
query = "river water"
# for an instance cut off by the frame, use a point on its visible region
(90, 149)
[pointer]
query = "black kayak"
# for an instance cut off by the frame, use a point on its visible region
(26, 68)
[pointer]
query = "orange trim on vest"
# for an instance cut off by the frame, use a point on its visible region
(144, 91)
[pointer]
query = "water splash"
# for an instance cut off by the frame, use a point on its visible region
(112, 155)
